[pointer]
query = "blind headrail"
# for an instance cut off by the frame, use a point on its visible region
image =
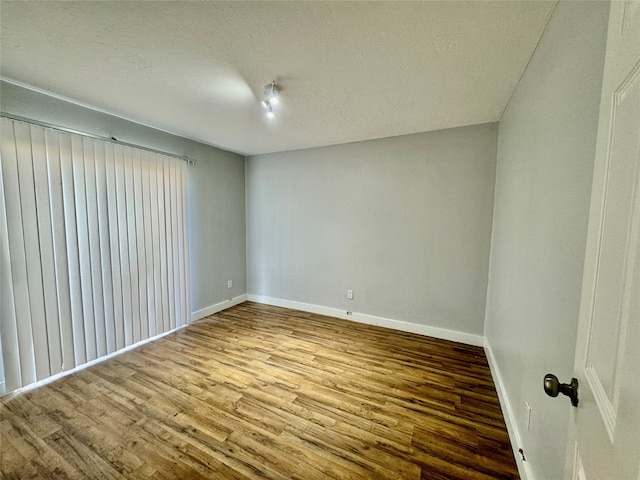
(190, 161)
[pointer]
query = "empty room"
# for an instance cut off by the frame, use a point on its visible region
(320, 240)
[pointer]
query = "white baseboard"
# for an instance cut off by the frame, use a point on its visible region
(194, 316)
(509, 418)
(443, 333)
(211, 309)
(53, 378)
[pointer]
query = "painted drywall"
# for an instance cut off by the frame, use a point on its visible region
(215, 188)
(405, 222)
(546, 147)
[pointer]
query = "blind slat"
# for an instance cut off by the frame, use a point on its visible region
(11, 362)
(155, 238)
(164, 269)
(47, 261)
(170, 249)
(180, 241)
(31, 239)
(73, 257)
(123, 229)
(148, 244)
(107, 326)
(184, 229)
(133, 246)
(60, 257)
(84, 252)
(114, 246)
(142, 323)
(95, 257)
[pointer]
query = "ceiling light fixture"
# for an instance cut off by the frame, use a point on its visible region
(272, 98)
(272, 92)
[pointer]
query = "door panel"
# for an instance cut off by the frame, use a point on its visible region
(610, 314)
(603, 441)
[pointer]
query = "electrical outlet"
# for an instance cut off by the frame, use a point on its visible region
(229, 283)
(350, 294)
(528, 414)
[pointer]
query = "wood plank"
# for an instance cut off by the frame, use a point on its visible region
(258, 392)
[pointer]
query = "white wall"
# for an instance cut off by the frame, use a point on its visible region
(404, 221)
(545, 159)
(215, 188)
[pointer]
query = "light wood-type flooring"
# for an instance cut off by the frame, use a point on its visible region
(259, 392)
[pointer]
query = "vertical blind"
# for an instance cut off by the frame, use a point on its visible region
(93, 249)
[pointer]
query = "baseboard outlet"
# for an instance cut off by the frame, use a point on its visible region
(218, 307)
(509, 418)
(443, 333)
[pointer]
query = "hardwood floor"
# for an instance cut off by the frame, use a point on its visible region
(265, 392)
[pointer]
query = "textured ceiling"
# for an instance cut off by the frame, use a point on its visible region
(349, 71)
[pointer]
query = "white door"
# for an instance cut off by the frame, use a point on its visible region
(604, 432)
